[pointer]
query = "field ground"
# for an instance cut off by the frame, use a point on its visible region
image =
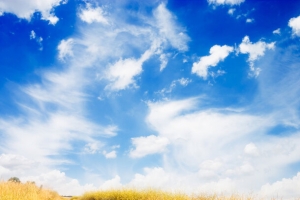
(29, 191)
(26, 191)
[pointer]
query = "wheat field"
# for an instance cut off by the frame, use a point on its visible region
(26, 191)
(150, 194)
(29, 191)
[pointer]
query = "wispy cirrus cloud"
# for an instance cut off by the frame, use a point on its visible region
(169, 29)
(54, 119)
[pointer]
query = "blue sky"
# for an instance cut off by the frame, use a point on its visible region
(193, 96)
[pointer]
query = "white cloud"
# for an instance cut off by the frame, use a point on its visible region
(91, 15)
(39, 40)
(40, 138)
(54, 115)
(277, 31)
(169, 30)
(3, 172)
(153, 178)
(32, 35)
(184, 81)
(164, 61)
(254, 50)
(25, 9)
(173, 121)
(294, 23)
(225, 2)
(112, 184)
(65, 48)
(217, 54)
(251, 149)
(231, 11)
(287, 188)
(148, 145)
(199, 139)
(115, 44)
(122, 73)
(110, 155)
(19, 166)
(211, 164)
(92, 147)
(59, 182)
(172, 181)
(249, 20)
(13, 162)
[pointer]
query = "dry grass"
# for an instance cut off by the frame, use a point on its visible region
(27, 191)
(129, 194)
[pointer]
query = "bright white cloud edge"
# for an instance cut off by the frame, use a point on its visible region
(217, 54)
(294, 23)
(25, 9)
(225, 2)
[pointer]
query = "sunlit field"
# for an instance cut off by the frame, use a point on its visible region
(130, 194)
(29, 191)
(26, 191)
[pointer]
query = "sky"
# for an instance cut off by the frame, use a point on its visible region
(193, 96)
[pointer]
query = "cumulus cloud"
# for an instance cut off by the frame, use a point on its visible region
(172, 181)
(287, 188)
(122, 73)
(39, 40)
(231, 11)
(65, 48)
(90, 15)
(32, 35)
(225, 2)
(209, 168)
(251, 149)
(173, 121)
(12, 162)
(25, 9)
(112, 184)
(59, 182)
(195, 142)
(249, 20)
(277, 31)
(92, 147)
(254, 50)
(148, 145)
(294, 23)
(152, 178)
(110, 155)
(12, 165)
(217, 54)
